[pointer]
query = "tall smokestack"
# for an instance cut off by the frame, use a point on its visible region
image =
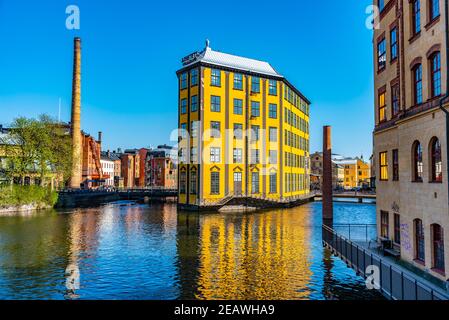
(328, 211)
(76, 175)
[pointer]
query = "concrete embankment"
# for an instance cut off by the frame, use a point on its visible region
(22, 209)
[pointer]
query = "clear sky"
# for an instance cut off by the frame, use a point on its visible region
(132, 49)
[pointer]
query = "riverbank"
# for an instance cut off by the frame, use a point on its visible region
(14, 199)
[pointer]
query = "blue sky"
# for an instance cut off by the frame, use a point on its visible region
(132, 49)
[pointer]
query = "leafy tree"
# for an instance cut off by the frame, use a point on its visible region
(41, 146)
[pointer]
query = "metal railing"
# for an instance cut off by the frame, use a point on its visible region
(394, 283)
(357, 232)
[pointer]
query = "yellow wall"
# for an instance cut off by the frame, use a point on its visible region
(227, 93)
(355, 175)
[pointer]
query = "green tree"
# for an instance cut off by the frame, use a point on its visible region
(40, 146)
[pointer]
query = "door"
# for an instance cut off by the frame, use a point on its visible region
(237, 183)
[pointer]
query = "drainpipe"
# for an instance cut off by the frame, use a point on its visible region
(447, 91)
(446, 21)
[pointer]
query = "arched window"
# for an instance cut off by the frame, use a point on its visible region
(417, 83)
(437, 247)
(436, 173)
(417, 162)
(419, 240)
(435, 76)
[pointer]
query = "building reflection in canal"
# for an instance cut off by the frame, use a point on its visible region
(130, 251)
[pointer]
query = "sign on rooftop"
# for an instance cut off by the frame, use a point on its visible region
(190, 58)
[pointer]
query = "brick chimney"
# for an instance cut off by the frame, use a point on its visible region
(328, 211)
(76, 173)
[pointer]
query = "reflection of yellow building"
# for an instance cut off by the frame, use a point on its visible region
(357, 173)
(244, 131)
(255, 256)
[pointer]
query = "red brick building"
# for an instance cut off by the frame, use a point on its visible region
(161, 170)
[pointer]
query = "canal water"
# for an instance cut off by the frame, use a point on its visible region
(131, 251)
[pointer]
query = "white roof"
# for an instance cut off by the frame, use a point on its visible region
(231, 61)
(345, 161)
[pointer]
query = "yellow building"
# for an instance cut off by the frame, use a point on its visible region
(244, 131)
(357, 173)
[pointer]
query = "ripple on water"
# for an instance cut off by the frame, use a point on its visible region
(131, 251)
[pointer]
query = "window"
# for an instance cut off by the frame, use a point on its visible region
(273, 182)
(237, 156)
(394, 43)
(194, 129)
(183, 182)
(215, 105)
(255, 109)
(255, 182)
(435, 60)
(194, 104)
(273, 157)
(193, 155)
(215, 129)
(417, 84)
(183, 106)
(238, 106)
(273, 134)
(416, 16)
(273, 111)
(184, 81)
(384, 222)
(419, 240)
(383, 161)
(255, 84)
(215, 155)
(434, 9)
(382, 108)
(417, 162)
(436, 161)
(395, 99)
(395, 165)
(273, 87)
(193, 182)
(215, 78)
(381, 4)
(238, 131)
(255, 156)
(194, 77)
(183, 133)
(215, 182)
(238, 81)
(255, 133)
(437, 247)
(381, 55)
(397, 229)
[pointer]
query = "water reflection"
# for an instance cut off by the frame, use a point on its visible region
(129, 251)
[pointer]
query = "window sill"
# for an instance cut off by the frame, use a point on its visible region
(439, 271)
(392, 61)
(420, 262)
(432, 22)
(414, 37)
(436, 182)
(417, 181)
(379, 71)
